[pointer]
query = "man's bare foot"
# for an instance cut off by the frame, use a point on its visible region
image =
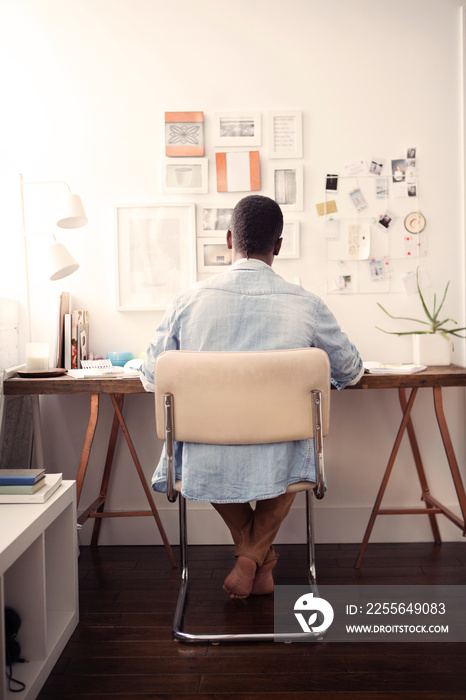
(239, 582)
(263, 581)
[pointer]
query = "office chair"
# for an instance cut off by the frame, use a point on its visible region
(241, 398)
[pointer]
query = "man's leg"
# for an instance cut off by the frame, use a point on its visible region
(253, 533)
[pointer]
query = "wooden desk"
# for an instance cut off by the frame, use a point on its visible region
(434, 377)
(115, 388)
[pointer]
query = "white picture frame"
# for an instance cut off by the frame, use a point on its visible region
(185, 175)
(213, 219)
(210, 254)
(154, 253)
(290, 235)
(285, 133)
(287, 184)
(237, 128)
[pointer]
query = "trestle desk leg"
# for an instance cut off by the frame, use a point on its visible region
(420, 468)
(386, 477)
(142, 477)
(107, 472)
(91, 426)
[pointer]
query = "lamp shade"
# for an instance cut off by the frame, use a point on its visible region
(62, 262)
(71, 213)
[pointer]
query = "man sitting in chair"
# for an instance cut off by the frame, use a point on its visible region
(249, 307)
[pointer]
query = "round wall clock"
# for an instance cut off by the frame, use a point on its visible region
(415, 222)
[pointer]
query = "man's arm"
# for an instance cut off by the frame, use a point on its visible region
(166, 338)
(345, 361)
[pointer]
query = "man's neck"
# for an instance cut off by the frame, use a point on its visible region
(239, 255)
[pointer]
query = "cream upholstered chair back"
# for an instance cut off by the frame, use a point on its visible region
(232, 398)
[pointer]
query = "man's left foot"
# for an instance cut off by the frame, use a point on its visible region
(263, 581)
(240, 580)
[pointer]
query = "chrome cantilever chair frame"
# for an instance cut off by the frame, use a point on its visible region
(171, 427)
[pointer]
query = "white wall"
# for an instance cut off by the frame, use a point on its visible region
(85, 86)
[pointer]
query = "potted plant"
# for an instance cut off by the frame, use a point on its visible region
(433, 345)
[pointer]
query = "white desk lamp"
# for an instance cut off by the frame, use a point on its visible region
(71, 215)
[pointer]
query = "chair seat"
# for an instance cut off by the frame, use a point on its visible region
(292, 488)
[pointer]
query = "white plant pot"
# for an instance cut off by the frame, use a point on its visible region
(431, 349)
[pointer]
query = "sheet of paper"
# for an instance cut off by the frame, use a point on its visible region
(329, 207)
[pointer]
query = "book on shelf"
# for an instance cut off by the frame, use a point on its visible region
(79, 337)
(23, 488)
(52, 483)
(21, 477)
(65, 306)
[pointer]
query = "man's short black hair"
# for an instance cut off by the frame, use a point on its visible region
(256, 225)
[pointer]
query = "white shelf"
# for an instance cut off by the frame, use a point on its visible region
(39, 579)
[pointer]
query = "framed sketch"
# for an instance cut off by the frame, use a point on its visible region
(214, 219)
(212, 254)
(287, 182)
(237, 129)
(185, 175)
(290, 235)
(184, 134)
(285, 132)
(155, 254)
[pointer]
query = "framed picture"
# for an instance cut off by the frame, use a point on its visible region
(155, 254)
(287, 184)
(185, 175)
(184, 134)
(214, 219)
(238, 171)
(212, 254)
(285, 134)
(290, 235)
(237, 129)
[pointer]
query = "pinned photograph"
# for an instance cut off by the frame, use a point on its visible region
(331, 183)
(345, 284)
(386, 220)
(358, 199)
(398, 170)
(376, 166)
(377, 270)
(411, 153)
(381, 188)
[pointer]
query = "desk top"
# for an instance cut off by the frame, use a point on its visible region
(451, 375)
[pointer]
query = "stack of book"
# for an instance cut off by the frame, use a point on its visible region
(27, 485)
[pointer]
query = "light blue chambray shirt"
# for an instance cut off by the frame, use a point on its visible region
(247, 307)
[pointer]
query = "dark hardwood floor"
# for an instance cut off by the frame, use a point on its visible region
(122, 647)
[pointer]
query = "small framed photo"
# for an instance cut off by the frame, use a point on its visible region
(288, 186)
(285, 134)
(212, 254)
(185, 175)
(237, 129)
(184, 134)
(214, 219)
(290, 235)
(155, 254)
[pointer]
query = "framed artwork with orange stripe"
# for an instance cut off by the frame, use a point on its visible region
(238, 171)
(184, 134)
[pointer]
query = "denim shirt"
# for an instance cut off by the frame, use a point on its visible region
(247, 307)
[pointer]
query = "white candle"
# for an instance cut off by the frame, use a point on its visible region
(37, 356)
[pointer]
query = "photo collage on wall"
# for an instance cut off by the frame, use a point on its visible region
(371, 218)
